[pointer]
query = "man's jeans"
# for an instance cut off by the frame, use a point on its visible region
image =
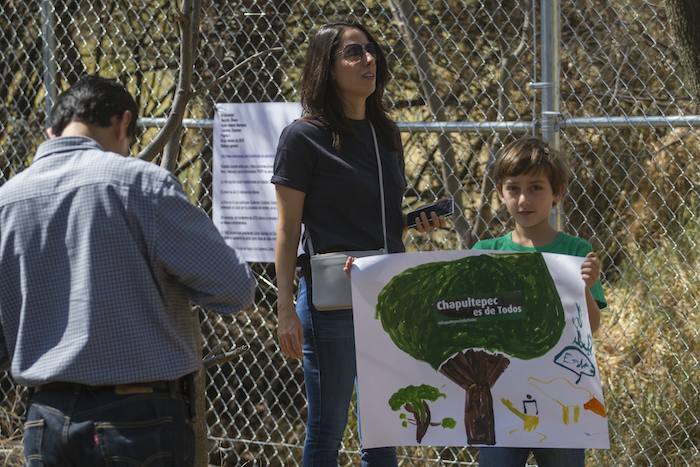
(329, 375)
(545, 457)
(86, 427)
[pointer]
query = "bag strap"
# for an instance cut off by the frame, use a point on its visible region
(381, 184)
(381, 195)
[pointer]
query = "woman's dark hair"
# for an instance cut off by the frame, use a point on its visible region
(92, 100)
(319, 95)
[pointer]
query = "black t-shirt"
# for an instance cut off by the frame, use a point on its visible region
(342, 208)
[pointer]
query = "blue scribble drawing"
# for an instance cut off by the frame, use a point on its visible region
(577, 357)
(574, 360)
(578, 323)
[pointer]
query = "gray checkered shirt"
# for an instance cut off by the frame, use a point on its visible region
(100, 256)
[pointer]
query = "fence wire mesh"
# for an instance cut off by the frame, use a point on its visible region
(634, 189)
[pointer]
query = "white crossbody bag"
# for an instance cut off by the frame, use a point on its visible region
(330, 284)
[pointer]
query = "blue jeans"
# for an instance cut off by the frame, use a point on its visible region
(76, 427)
(517, 457)
(329, 375)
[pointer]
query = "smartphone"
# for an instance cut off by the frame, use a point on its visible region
(444, 208)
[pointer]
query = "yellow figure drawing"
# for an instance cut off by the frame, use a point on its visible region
(569, 397)
(530, 422)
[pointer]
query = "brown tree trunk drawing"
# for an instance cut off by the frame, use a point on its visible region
(422, 423)
(476, 372)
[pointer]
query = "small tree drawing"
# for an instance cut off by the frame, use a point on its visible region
(409, 309)
(413, 399)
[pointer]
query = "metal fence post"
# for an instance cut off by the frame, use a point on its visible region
(48, 38)
(550, 62)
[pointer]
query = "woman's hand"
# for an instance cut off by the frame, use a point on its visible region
(425, 225)
(590, 269)
(289, 331)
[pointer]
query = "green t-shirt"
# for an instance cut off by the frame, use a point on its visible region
(563, 244)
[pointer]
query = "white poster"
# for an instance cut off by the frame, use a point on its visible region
(475, 347)
(245, 142)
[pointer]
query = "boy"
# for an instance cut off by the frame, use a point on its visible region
(531, 179)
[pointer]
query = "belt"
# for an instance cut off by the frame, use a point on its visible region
(175, 387)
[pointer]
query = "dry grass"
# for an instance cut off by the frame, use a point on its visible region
(11, 453)
(11, 429)
(648, 349)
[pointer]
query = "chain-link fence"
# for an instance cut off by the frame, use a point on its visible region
(598, 75)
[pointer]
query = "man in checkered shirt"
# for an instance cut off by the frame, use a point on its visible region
(100, 256)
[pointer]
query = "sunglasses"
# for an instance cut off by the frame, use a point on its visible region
(356, 52)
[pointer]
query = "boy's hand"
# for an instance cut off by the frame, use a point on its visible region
(590, 269)
(348, 264)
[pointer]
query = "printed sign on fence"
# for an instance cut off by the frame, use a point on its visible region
(245, 142)
(475, 347)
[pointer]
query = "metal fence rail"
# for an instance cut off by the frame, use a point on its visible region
(596, 77)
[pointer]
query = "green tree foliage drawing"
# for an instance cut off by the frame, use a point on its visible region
(468, 345)
(414, 399)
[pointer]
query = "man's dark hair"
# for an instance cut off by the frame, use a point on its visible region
(319, 96)
(92, 100)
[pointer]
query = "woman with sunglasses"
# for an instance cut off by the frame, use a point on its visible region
(326, 177)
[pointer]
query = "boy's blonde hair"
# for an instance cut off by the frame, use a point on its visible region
(530, 155)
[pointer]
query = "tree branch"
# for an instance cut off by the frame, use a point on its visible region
(504, 82)
(235, 68)
(404, 14)
(190, 10)
(219, 359)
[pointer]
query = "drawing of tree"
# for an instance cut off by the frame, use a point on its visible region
(413, 399)
(469, 346)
